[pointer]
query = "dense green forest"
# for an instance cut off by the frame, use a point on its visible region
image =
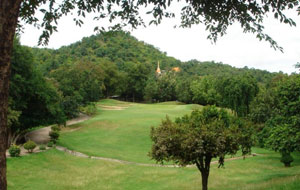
(49, 86)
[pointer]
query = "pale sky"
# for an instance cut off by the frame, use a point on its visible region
(235, 48)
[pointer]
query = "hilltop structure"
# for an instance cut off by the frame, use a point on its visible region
(158, 72)
(176, 69)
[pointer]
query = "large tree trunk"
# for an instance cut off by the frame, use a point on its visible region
(204, 175)
(203, 165)
(9, 12)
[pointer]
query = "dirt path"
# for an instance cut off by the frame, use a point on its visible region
(41, 136)
(82, 155)
(112, 107)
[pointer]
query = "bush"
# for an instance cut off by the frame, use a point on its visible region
(29, 146)
(54, 135)
(14, 151)
(42, 147)
(90, 109)
(55, 128)
(286, 159)
(50, 144)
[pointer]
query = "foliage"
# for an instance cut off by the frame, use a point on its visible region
(278, 108)
(54, 135)
(264, 105)
(50, 144)
(13, 117)
(237, 92)
(33, 99)
(204, 91)
(287, 159)
(55, 128)
(42, 147)
(14, 151)
(89, 109)
(183, 89)
(30, 146)
(250, 15)
(198, 138)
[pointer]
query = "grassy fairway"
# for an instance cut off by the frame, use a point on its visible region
(124, 134)
(54, 170)
(121, 134)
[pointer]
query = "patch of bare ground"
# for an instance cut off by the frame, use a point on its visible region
(41, 136)
(112, 107)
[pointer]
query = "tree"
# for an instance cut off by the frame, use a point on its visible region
(198, 138)
(284, 128)
(216, 15)
(237, 92)
(183, 89)
(137, 75)
(204, 91)
(34, 97)
(80, 83)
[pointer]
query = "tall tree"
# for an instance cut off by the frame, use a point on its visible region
(216, 15)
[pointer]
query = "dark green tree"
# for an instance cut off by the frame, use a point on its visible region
(183, 89)
(237, 92)
(166, 84)
(151, 90)
(204, 91)
(80, 84)
(198, 138)
(33, 97)
(136, 78)
(283, 129)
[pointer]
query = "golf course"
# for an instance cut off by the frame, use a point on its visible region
(116, 142)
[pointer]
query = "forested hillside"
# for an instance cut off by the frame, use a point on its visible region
(120, 48)
(117, 64)
(61, 83)
(49, 86)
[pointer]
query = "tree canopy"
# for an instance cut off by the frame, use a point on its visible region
(216, 15)
(200, 137)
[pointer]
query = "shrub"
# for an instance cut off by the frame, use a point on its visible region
(54, 135)
(90, 109)
(286, 159)
(29, 146)
(55, 128)
(42, 147)
(50, 144)
(14, 151)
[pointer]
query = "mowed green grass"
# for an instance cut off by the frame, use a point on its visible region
(124, 134)
(55, 170)
(121, 134)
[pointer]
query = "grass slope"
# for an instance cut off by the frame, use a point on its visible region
(124, 134)
(121, 134)
(55, 170)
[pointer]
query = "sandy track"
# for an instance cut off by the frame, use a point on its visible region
(112, 107)
(41, 136)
